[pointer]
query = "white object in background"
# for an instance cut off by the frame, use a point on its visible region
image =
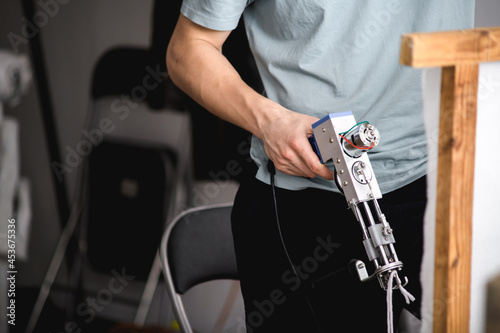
(22, 214)
(15, 77)
(9, 175)
(486, 208)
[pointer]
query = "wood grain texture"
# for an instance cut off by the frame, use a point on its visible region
(455, 187)
(450, 48)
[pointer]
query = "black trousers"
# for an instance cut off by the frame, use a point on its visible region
(321, 236)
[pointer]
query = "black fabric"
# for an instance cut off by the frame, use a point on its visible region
(128, 192)
(200, 248)
(321, 236)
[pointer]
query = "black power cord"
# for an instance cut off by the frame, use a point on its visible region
(272, 172)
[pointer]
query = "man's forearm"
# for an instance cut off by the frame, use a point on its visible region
(198, 67)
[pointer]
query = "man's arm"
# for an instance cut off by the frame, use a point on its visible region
(197, 66)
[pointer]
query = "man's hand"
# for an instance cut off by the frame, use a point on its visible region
(286, 144)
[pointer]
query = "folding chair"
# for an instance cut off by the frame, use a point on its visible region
(196, 247)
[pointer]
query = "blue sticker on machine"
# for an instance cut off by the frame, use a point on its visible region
(314, 145)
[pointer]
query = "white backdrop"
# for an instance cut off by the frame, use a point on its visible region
(486, 209)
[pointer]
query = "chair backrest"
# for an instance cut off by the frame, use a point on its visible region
(127, 183)
(197, 246)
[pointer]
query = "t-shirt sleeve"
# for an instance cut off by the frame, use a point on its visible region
(220, 15)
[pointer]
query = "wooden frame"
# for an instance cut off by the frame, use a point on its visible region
(459, 53)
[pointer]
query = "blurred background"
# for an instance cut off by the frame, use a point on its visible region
(98, 75)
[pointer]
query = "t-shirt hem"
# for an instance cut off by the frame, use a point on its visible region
(283, 182)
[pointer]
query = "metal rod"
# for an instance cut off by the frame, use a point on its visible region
(361, 221)
(372, 222)
(393, 252)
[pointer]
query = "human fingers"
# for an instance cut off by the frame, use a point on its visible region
(315, 166)
(298, 159)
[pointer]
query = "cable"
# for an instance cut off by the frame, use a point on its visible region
(361, 122)
(358, 147)
(337, 183)
(408, 298)
(272, 171)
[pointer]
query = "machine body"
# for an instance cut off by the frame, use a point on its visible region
(339, 138)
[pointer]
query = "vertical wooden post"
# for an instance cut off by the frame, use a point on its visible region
(455, 185)
(459, 53)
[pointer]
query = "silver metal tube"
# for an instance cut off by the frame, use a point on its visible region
(380, 215)
(364, 230)
(361, 221)
(369, 213)
(381, 248)
(393, 251)
(383, 255)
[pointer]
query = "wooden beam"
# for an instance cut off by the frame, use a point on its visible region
(459, 53)
(450, 48)
(455, 187)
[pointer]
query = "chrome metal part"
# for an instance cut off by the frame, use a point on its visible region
(339, 138)
(361, 136)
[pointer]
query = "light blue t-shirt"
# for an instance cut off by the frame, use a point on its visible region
(325, 56)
